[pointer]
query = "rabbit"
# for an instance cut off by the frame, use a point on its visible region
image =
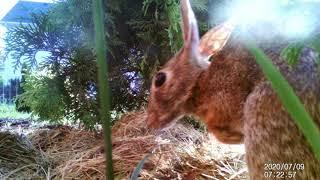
(234, 99)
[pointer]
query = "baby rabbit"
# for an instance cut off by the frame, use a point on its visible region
(236, 102)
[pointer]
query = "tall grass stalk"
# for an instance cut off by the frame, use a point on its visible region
(104, 93)
(289, 99)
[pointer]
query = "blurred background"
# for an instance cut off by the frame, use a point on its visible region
(48, 60)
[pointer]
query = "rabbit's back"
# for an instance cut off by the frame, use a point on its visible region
(271, 137)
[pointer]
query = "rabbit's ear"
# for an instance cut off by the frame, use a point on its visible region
(189, 27)
(191, 36)
(215, 39)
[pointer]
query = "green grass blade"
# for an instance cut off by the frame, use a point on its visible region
(289, 99)
(104, 93)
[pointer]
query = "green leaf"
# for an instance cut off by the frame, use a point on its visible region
(292, 53)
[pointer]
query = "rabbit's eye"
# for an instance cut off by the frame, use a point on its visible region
(160, 79)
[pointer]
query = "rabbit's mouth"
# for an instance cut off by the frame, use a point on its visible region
(161, 122)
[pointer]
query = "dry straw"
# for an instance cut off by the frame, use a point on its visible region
(18, 158)
(179, 152)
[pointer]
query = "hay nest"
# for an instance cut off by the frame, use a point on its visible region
(186, 153)
(180, 152)
(72, 152)
(19, 159)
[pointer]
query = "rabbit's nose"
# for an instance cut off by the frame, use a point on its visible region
(149, 121)
(152, 122)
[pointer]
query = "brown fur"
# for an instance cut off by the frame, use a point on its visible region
(216, 102)
(271, 136)
(237, 103)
